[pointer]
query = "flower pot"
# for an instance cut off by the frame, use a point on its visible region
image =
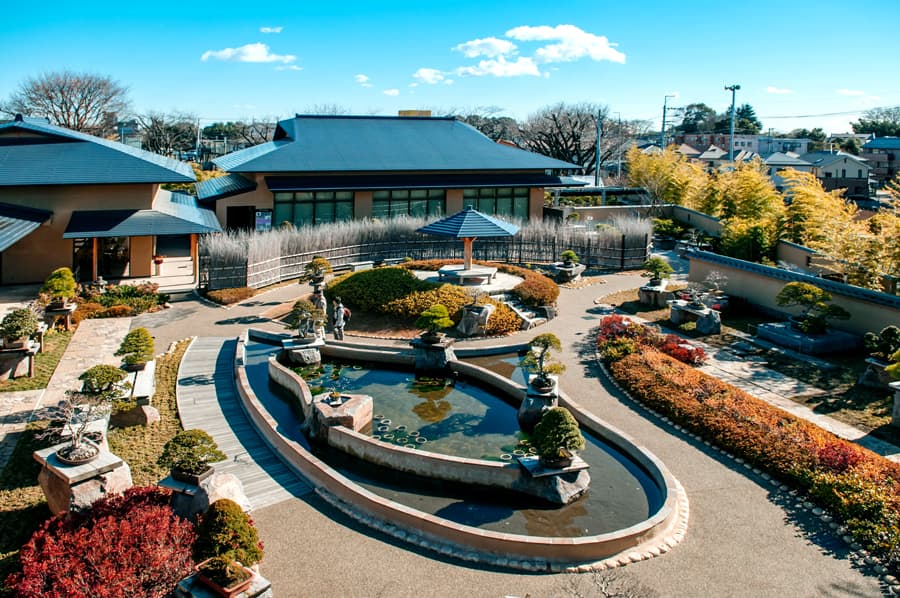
(15, 343)
(192, 478)
(557, 462)
(57, 304)
(542, 384)
(133, 367)
(83, 453)
(654, 282)
(227, 592)
(432, 338)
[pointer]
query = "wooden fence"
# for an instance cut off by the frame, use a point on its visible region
(256, 271)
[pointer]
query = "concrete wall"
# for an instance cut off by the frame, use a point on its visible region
(711, 225)
(794, 254)
(34, 257)
(870, 311)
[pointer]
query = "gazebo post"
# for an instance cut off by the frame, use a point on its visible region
(467, 252)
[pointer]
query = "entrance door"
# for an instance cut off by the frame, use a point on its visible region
(113, 257)
(240, 217)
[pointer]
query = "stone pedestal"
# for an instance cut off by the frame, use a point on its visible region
(16, 362)
(832, 341)
(875, 375)
(895, 414)
(350, 410)
(558, 486)
(433, 357)
(77, 487)
(565, 272)
(653, 294)
(303, 351)
(536, 402)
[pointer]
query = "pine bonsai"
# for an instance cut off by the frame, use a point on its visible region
(539, 359)
(569, 256)
(317, 267)
(304, 317)
(19, 323)
(656, 268)
(190, 452)
(60, 284)
(137, 347)
(434, 319)
(556, 434)
(816, 305)
(884, 344)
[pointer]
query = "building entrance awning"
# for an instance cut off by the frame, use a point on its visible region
(17, 222)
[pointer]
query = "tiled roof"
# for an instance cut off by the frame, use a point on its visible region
(378, 144)
(34, 152)
(375, 182)
(223, 186)
(824, 158)
(470, 223)
(782, 159)
(17, 222)
(883, 143)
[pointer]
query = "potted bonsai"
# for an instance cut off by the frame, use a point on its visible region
(817, 309)
(226, 531)
(305, 317)
(101, 385)
(61, 286)
(316, 269)
(137, 348)
(224, 575)
(883, 347)
(569, 258)
(17, 326)
(189, 454)
(555, 437)
(540, 362)
(656, 269)
(432, 321)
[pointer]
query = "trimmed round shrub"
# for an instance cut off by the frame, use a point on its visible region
(368, 290)
(116, 311)
(60, 284)
(124, 546)
(450, 296)
(230, 295)
(556, 431)
(225, 530)
(137, 347)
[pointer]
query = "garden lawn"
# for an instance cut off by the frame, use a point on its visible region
(55, 343)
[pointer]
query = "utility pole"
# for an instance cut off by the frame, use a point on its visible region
(597, 161)
(619, 152)
(732, 89)
(662, 133)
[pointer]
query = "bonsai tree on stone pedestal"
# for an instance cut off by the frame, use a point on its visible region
(656, 269)
(137, 348)
(316, 269)
(540, 362)
(569, 258)
(305, 317)
(884, 344)
(17, 326)
(432, 321)
(61, 286)
(188, 454)
(556, 436)
(817, 309)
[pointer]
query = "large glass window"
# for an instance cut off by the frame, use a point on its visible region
(303, 208)
(508, 202)
(408, 202)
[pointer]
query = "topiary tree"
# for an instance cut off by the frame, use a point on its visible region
(539, 359)
(190, 452)
(817, 309)
(225, 530)
(137, 347)
(60, 284)
(556, 434)
(656, 268)
(434, 319)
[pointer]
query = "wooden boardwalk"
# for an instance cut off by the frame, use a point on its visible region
(207, 399)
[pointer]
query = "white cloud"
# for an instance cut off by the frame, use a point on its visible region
(289, 67)
(778, 90)
(257, 52)
(271, 29)
(501, 68)
(850, 92)
(573, 44)
(429, 76)
(490, 47)
(391, 92)
(362, 80)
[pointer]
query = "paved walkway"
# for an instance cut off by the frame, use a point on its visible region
(207, 399)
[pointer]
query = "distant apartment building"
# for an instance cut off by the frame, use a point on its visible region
(772, 145)
(882, 155)
(701, 141)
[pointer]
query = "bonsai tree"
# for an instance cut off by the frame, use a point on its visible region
(656, 268)
(225, 530)
(60, 284)
(317, 268)
(190, 452)
(816, 305)
(540, 361)
(224, 572)
(884, 344)
(666, 227)
(569, 256)
(434, 319)
(304, 317)
(557, 434)
(137, 347)
(19, 323)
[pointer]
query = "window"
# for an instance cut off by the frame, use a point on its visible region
(303, 208)
(409, 202)
(843, 173)
(859, 173)
(510, 202)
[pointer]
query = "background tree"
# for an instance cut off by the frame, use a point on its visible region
(745, 120)
(248, 134)
(881, 121)
(167, 134)
(751, 212)
(84, 102)
(698, 118)
(496, 127)
(816, 135)
(566, 132)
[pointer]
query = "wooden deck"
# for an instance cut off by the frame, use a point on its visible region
(207, 399)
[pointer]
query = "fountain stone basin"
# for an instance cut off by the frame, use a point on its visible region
(353, 411)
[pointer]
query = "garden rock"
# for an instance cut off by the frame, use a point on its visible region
(474, 320)
(559, 489)
(219, 485)
(142, 415)
(711, 323)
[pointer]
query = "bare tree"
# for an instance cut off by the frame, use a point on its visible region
(83, 102)
(167, 134)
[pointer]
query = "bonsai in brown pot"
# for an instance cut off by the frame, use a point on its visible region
(61, 287)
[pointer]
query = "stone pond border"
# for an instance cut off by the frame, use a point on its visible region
(656, 535)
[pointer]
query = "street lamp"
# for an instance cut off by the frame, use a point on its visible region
(732, 89)
(662, 133)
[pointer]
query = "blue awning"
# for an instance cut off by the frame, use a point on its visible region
(17, 222)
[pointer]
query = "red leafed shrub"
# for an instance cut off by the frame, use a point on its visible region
(620, 336)
(683, 351)
(838, 456)
(129, 545)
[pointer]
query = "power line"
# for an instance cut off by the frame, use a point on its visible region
(819, 115)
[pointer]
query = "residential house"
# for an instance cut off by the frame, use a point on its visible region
(97, 206)
(782, 160)
(741, 141)
(883, 154)
(840, 170)
(769, 145)
(321, 169)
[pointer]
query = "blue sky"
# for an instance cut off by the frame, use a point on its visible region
(228, 61)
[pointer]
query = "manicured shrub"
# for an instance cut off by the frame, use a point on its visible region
(191, 452)
(60, 284)
(86, 310)
(620, 336)
(369, 290)
(138, 298)
(137, 347)
(434, 319)
(675, 346)
(536, 290)
(503, 321)
(557, 432)
(225, 530)
(410, 306)
(19, 323)
(116, 311)
(230, 296)
(124, 546)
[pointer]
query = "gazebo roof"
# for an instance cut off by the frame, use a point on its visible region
(470, 223)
